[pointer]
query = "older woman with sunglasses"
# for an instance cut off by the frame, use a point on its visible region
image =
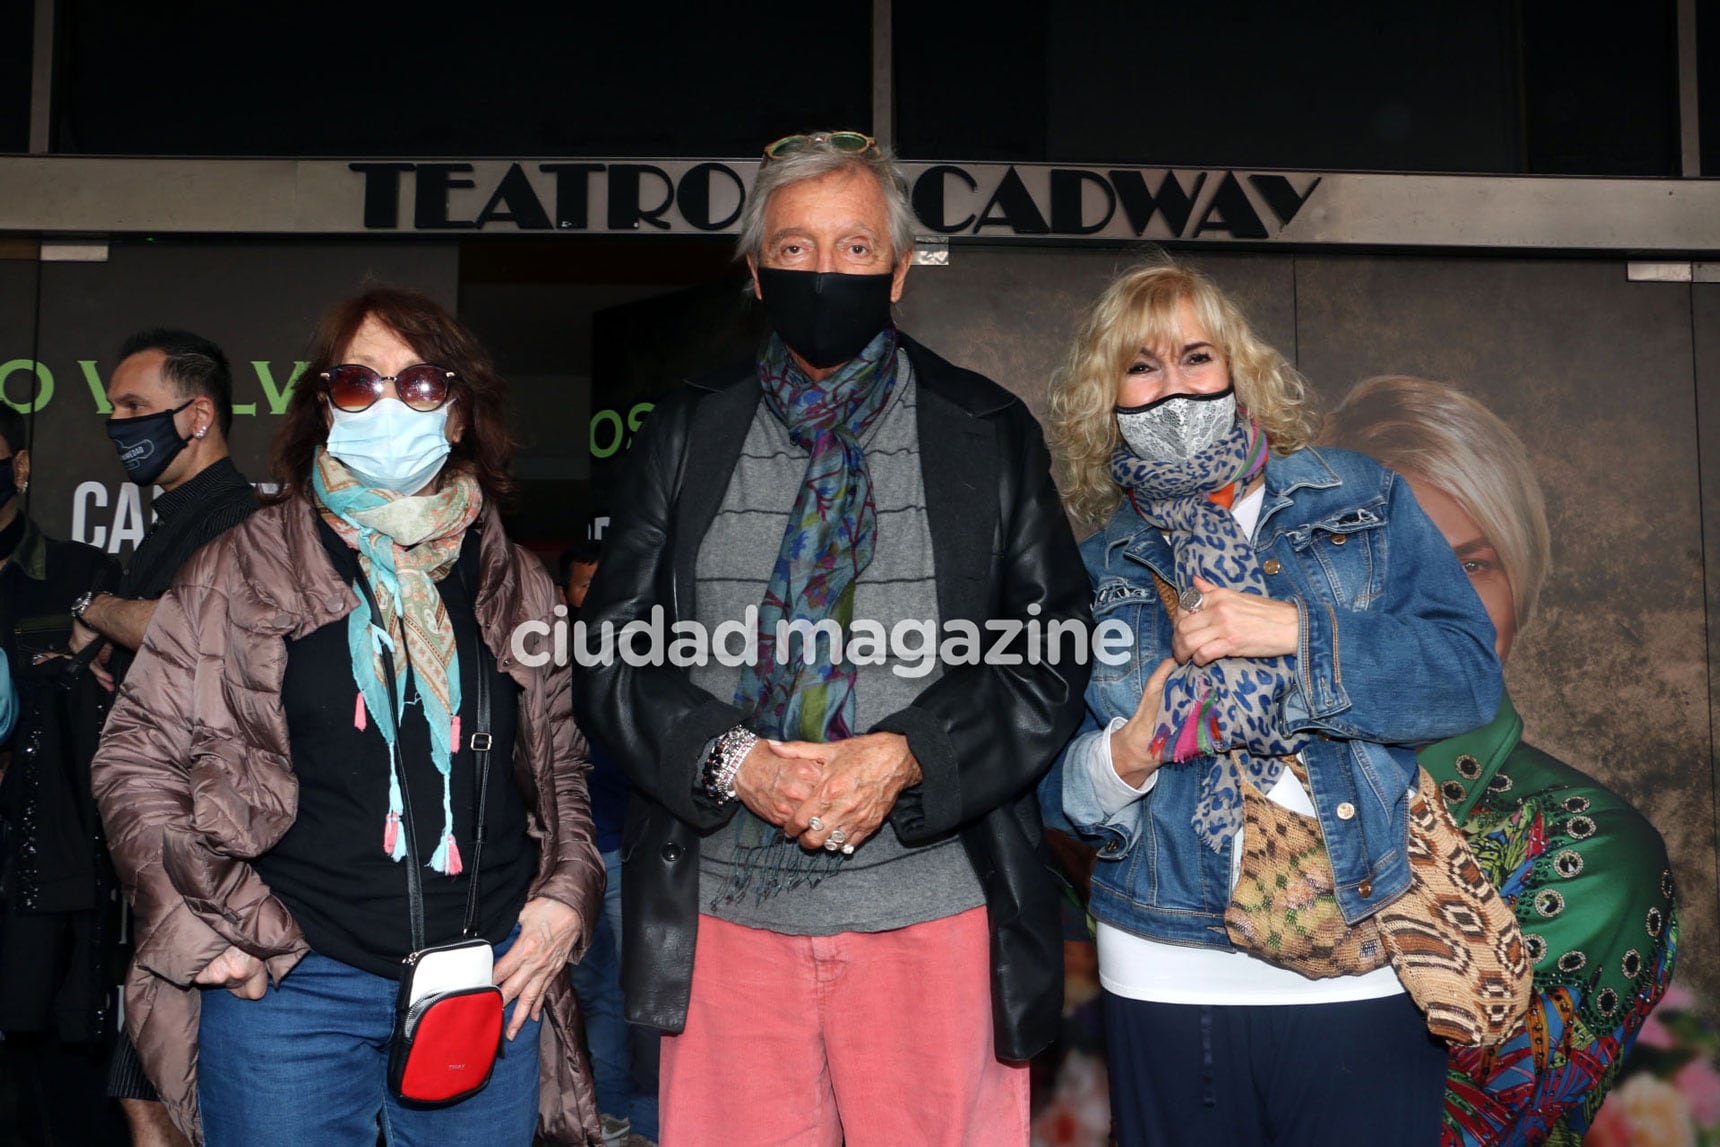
(297, 780)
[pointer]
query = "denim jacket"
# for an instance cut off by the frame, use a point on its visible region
(1394, 651)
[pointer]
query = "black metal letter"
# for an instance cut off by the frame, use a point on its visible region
(1066, 186)
(1172, 201)
(515, 194)
(1016, 209)
(430, 197)
(929, 198)
(572, 193)
(1280, 196)
(381, 193)
(693, 197)
(1234, 212)
(626, 211)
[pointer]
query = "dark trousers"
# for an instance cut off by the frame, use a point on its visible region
(1365, 1074)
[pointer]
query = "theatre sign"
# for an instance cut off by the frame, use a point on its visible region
(948, 199)
(962, 202)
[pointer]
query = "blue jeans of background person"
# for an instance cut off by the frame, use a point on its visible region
(623, 1058)
(1352, 1074)
(308, 1063)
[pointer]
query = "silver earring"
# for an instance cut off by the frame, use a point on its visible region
(202, 430)
(24, 486)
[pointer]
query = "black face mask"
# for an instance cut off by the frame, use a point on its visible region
(8, 484)
(825, 317)
(147, 443)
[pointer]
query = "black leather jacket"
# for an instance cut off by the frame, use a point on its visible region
(982, 734)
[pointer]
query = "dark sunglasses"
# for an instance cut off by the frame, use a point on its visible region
(846, 141)
(353, 388)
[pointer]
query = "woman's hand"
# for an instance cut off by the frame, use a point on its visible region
(239, 972)
(1231, 624)
(1129, 745)
(548, 929)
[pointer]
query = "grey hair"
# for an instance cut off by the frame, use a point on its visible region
(818, 159)
(1435, 432)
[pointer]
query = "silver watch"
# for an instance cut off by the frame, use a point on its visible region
(82, 603)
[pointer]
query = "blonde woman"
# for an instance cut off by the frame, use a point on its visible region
(1286, 603)
(1586, 873)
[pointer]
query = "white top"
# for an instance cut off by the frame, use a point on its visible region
(1140, 969)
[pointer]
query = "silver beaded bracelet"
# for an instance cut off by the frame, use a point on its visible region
(724, 762)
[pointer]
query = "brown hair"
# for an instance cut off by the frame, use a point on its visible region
(486, 446)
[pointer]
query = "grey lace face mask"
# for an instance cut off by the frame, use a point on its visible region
(1178, 426)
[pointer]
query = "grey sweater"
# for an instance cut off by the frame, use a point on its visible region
(884, 884)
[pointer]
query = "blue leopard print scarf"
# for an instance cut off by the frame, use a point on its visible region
(1226, 711)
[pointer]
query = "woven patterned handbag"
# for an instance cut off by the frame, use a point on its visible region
(1282, 908)
(1451, 937)
(1454, 940)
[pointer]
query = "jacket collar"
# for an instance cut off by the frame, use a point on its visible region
(966, 390)
(1464, 766)
(1303, 470)
(1141, 541)
(952, 404)
(292, 589)
(31, 556)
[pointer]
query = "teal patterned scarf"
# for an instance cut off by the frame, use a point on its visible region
(825, 547)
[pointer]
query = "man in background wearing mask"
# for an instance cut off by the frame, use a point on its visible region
(172, 398)
(828, 857)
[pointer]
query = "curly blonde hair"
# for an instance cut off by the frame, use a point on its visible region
(1142, 309)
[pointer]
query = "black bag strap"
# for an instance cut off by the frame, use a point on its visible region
(481, 741)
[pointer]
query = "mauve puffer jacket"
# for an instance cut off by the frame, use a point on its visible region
(194, 779)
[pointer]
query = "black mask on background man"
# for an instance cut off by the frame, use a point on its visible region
(825, 317)
(147, 443)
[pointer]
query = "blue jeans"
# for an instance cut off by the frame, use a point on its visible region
(308, 1063)
(623, 1057)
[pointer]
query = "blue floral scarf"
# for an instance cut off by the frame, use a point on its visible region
(825, 547)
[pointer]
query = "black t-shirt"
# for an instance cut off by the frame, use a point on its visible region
(329, 869)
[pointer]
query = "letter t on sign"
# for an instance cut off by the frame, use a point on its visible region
(381, 193)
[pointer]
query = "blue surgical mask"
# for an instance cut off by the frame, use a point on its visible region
(390, 446)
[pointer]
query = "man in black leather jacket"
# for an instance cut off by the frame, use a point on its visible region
(910, 807)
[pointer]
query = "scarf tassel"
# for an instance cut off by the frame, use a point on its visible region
(446, 858)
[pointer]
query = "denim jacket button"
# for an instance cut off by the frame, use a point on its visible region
(1271, 566)
(1340, 539)
(1346, 811)
(1109, 847)
(1365, 889)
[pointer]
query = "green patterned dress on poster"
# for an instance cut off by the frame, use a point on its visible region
(1590, 882)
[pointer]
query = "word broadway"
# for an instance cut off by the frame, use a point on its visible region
(910, 647)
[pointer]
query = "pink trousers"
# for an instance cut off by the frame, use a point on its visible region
(873, 1039)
